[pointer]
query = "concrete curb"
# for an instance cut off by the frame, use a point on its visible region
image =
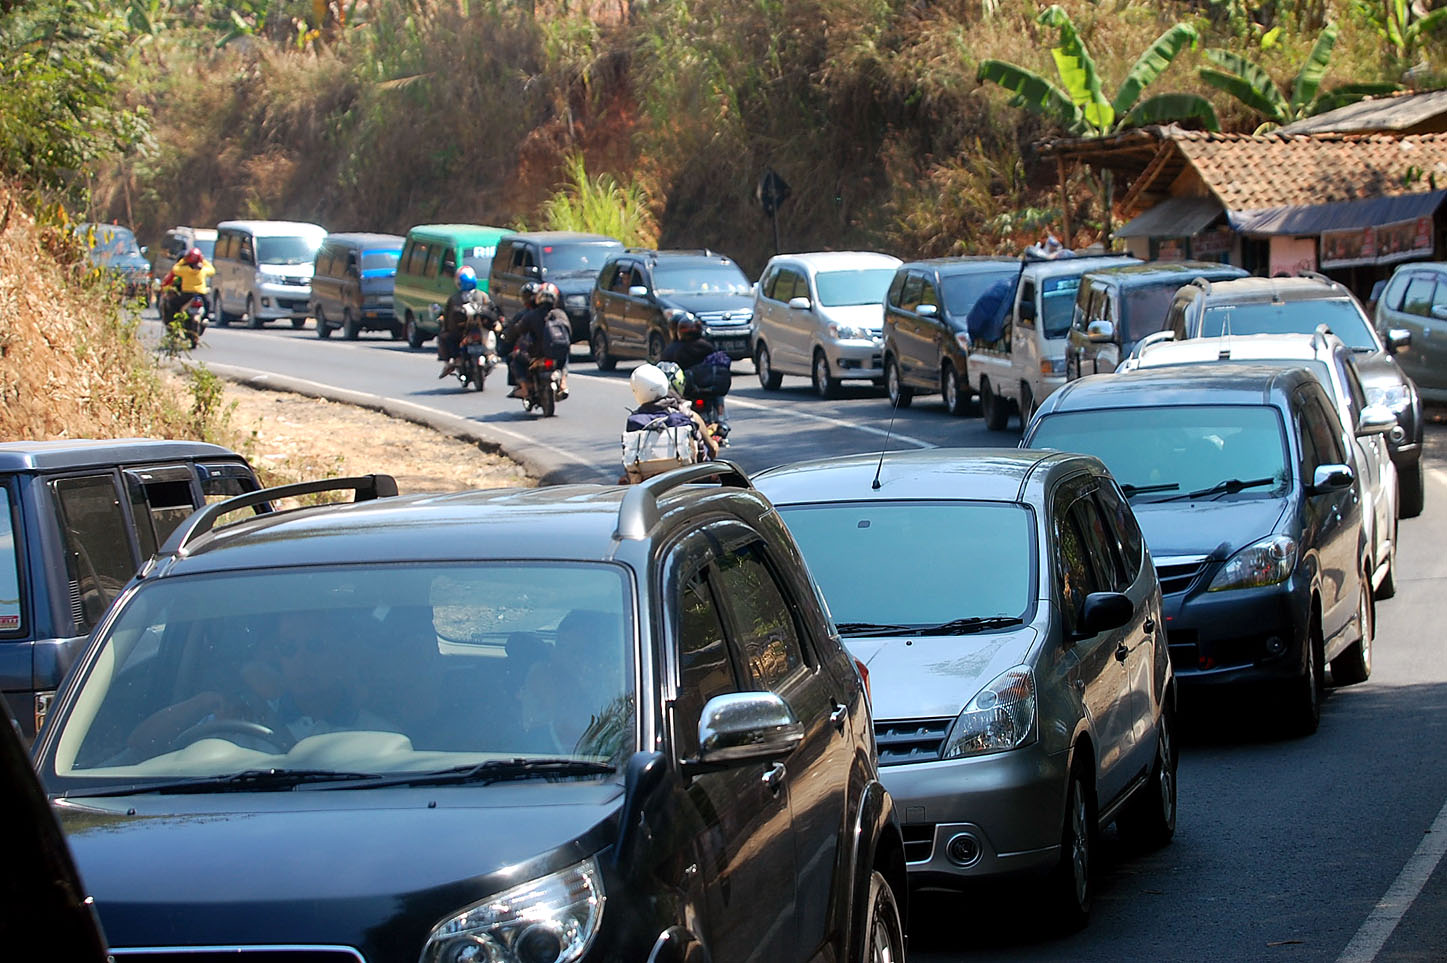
(550, 466)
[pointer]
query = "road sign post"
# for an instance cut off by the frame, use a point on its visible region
(772, 191)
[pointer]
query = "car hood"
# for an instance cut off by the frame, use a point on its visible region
(859, 315)
(319, 866)
(1202, 527)
(935, 676)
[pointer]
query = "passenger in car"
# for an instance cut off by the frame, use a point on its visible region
(570, 700)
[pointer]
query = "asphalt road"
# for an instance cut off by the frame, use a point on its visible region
(1325, 848)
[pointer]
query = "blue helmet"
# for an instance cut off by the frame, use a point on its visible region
(466, 279)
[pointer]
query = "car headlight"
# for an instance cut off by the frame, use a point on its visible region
(1052, 366)
(1394, 397)
(848, 332)
(576, 301)
(962, 339)
(548, 920)
(1266, 562)
(1001, 716)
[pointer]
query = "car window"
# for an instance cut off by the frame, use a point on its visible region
(11, 612)
(1176, 317)
(582, 258)
(961, 291)
(1126, 532)
(1027, 296)
(1144, 310)
(909, 298)
(417, 260)
(705, 666)
(434, 261)
(1439, 295)
(1324, 428)
(699, 277)
(859, 286)
(97, 545)
(1100, 546)
(1075, 578)
(1346, 370)
(928, 294)
(379, 262)
(762, 619)
(245, 254)
(1057, 305)
(449, 262)
(286, 250)
(788, 285)
(522, 258)
(608, 277)
(1341, 315)
(1418, 299)
(896, 288)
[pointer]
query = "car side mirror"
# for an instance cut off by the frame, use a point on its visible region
(1375, 420)
(745, 727)
(638, 291)
(533, 271)
(1399, 339)
(1104, 611)
(927, 310)
(800, 303)
(1100, 331)
(1331, 478)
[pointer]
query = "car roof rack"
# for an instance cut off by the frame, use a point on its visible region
(1318, 276)
(639, 511)
(1152, 339)
(366, 488)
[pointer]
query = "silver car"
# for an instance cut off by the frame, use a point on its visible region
(1009, 617)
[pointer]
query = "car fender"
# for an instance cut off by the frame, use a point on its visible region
(875, 834)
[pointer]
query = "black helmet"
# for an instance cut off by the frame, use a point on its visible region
(689, 327)
(529, 291)
(548, 293)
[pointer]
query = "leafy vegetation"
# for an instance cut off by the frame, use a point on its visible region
(598, 205)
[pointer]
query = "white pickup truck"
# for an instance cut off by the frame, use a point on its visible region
(1026, 361)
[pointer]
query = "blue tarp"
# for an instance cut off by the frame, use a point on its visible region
(1336, 216)
(986, 320)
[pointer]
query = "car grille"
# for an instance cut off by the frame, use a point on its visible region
(919, 842)
(718, 319)
(239, 954)
(1177, 575)
(296, 282)
(291, 304)
(916, 740)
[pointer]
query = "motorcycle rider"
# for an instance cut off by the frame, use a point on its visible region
(466, 304)
(541, 331)
(706, 368)
(661, 406)
(187, 278)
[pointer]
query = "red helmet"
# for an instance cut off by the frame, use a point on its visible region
(548, 293)
(194, 257)
(690, 327)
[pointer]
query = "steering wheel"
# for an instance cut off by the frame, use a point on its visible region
(234, 727)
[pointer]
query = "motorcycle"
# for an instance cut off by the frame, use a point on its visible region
(478, 352)
(704, 387)
(545, 378)
(191, 314)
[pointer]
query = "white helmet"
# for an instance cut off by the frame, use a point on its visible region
(648, 383)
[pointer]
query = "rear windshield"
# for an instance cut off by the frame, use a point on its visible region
(844, 542)
(1057, 305)
(1341, 315)
(384, 261)
(1143, 309)
(207, 247)
(10, 620)
(577, 258)
(700, 278)
(838, 289)
(287, 250)
(963, 290)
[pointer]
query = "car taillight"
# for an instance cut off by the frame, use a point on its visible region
(549, 363)
(864, 674)
(196, 302)
(698, 403)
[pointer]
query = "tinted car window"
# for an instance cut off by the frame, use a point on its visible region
(1074, 576)
(705, 669)
(763, 626)
(98, 550)
(841, 288)
(10, 611)
(1290, 317)
(702, 278)
(789, 284)
(1143, 310)
(449, 263)
(1057, 303)
(1325, 435)
(844, 541)
(1418, 299)
(1123, 524)
(570, 258)
(961, 291)
(1100, 545)
(383, 261)
(1190, 446)
(909, 297)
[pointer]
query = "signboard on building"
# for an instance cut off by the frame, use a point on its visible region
(1292, 255)
(1382, 244)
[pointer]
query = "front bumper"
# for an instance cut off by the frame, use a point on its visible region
(275, 301)
(731, 338)
(1228, 637)
(1010, 804)
(856, 359)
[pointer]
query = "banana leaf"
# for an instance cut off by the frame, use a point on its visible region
(1077, 71)
(1166, 108)
(1033, 92)
(1151, 64)
(1426, 24)
(1245, 81)
(1308, 78)
(1349, 94)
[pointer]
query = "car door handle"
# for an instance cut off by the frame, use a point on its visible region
(1121, 652)
(839, 716)
(774, 776)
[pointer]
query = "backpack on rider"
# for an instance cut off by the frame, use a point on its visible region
(662, 433)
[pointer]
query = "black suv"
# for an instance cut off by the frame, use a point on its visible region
(77, 518)
(1238, 476)
(1297, 306)
(567, 258)
(640, 296)
(578, 722)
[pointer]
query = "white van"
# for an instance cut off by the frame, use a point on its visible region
(1017, 366)
(821, 315)
(264, 271)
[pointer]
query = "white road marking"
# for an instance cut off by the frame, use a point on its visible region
(1383, 919)
(836, 422)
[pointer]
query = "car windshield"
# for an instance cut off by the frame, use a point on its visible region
(9, 566)
(1191, 447)
(577, 258)
(963, 290)
(839, 289)
(357, 668)
(1341, 315)
(207, 246)
(1143, 310)
(923, 563)
(1057, 305)
(700, 278)
(112, 241)
(287, 249)
(383, 261)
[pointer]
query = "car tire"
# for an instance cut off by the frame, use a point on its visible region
(899, 395)
(323, 330)
(1303, 702)
(1070, 887)
(1410, 494)
(414, 337)
(252, 321)
(1354, 665)
(1149, 820)
(883, 928)
(599, 344)
(826, 386)
(350, 329)
(1026, 406)
(655, 348)
(769, 379)
(996, 413)
(222, 318)
(955, 394)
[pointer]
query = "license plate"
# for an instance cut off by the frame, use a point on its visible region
(475, 350)
(732, 344)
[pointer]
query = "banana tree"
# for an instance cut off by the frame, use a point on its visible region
(1079, 103)
(1250, 84)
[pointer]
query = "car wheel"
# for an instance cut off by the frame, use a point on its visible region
(956, 397)
(825, 384)
(222, 318)
(1355, 664)
(323, 330)
(601, 357)
(764, 364)
(884, 931)
(1070, 886)
(414, 337)
(1303, 703)
(995, 412)
(655, 348)
(252, 321)
(899, 395)
(1149, 820)
(350, 329)
(1410, 496)
(1027, 406)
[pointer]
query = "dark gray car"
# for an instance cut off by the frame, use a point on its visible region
(1008, 614)
(1412, 314)
(352, 285)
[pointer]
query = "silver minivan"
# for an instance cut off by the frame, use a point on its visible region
(264, 271)
(821, 315)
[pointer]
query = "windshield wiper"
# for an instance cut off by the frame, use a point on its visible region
(1228, 487)
(251, 780)
(872, 628)
(966, 626)
(1132, 491)
(494, 770)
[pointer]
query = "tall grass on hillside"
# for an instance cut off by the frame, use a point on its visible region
(599, 205)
